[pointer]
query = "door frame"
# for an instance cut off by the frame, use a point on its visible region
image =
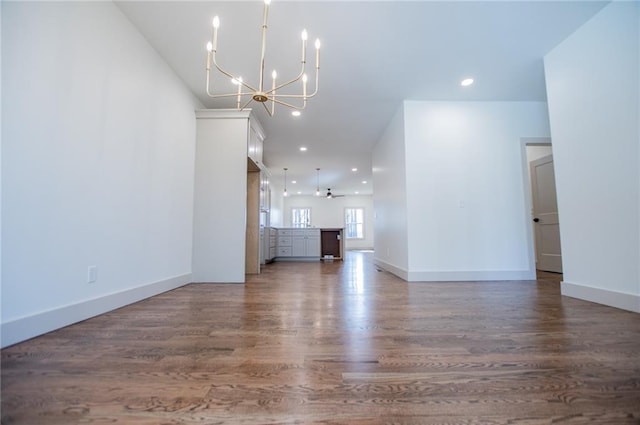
(528, 196)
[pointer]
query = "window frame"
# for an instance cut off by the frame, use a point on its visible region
(362, 224)
(293, 224)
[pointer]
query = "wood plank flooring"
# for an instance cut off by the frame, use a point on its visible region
(335, 343)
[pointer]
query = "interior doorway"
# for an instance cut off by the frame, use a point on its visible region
(543, 208)
(545, 215)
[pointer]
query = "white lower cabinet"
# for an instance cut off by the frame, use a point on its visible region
(299, 243)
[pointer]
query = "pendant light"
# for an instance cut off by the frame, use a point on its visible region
(317, 182)
(285, 182)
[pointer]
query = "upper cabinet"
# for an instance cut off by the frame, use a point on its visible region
(256, 141)
(265, 190)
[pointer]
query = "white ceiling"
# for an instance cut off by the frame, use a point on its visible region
(374, 55)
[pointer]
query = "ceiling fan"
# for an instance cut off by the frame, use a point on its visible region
(331, 195)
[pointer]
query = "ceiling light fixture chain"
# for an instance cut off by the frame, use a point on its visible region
(260, 94)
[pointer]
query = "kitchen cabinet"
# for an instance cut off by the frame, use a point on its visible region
(270, 244)
(305, 243)
(265, 190)
(283, 243)
(298, 244)
(255, 142)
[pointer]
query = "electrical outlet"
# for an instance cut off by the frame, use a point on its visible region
(92, 274)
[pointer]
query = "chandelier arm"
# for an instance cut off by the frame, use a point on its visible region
(291, 81)
(317, 79)
(246, 104)
(267, 109)
(207, 82)
(298, 96)
(288, 105)
(233, 77)
(228, 95)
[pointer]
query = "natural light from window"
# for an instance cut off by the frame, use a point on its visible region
(300, 217)
(354, 223)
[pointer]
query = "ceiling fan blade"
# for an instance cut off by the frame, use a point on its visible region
(331, 195)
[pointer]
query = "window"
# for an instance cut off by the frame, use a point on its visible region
(300, 217)
(354, 223)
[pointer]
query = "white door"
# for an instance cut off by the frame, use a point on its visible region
(545, 215)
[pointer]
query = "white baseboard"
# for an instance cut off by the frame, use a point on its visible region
(24, 328)
(400, 272)
(456, 276)
(621, 300)
(470, 275)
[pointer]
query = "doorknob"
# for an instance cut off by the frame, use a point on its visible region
(535, 220)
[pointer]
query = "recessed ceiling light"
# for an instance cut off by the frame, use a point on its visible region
(354, 169)
(295, 113)
(299, 193)
(364, 182)
(466, 82)
(357, 192)
(303, 149)
(293, 182)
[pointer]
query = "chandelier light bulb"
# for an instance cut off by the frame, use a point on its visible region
(317, 43)
(304, 35)
(274, 74)
(304, 78)
(209, 47)
(267, 2)
(216, 22)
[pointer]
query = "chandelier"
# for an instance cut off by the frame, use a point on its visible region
(261, 94)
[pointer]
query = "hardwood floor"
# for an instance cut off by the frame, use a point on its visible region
(335, 343)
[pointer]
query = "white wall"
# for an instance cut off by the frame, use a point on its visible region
(1, 132)
(98, 144)
(462, 209)
(593, 91)
(329, 213)
(466, 199)
(390, 198)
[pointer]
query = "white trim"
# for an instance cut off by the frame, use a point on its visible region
(233, 113)
(455, 276)
(470, 275)
(624, 301)
(24, 328)
(400, 272)
(222, 113)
